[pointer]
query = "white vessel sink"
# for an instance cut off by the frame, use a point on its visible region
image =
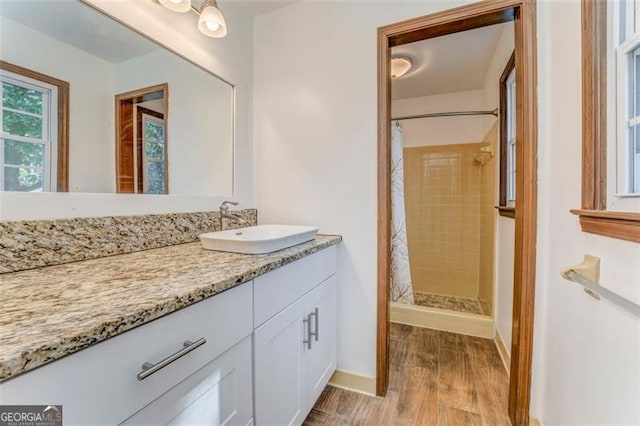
(258, 239)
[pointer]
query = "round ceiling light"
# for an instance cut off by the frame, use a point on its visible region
(400, 66)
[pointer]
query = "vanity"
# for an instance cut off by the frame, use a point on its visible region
(175, 335)
(113, 144)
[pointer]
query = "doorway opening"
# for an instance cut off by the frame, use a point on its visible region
(142, 165)
(451, 176)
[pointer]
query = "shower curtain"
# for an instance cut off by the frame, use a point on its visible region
(401, 290)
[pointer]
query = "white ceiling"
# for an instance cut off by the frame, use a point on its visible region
(446, 64)
(260, 7)
(79, 25)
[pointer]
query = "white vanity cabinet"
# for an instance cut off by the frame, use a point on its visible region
(210, 384)
(271, 342)
(322, 357)
(295, 350)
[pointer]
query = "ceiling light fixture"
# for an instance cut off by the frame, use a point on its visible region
(211, 21)
(400, 66)
(177, 5)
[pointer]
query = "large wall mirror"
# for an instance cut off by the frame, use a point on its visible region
(89, 105)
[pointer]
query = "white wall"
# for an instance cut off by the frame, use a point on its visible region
(315, 141)
(200, 125)
(91, 128)
(587, 353)
(230, 58)
(501, 55)
(441, 130)
(503, 281)
(505, 229)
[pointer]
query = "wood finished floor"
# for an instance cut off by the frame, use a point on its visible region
(436, 378)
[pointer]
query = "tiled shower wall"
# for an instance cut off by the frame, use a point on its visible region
(442, 201)
(488, 201)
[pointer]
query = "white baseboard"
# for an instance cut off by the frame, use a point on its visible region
(353, 382)
(502, 350)
(438, 319)
(534, 422)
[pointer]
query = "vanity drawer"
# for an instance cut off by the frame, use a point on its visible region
(220, 393)
(99, 385)
(274, 291)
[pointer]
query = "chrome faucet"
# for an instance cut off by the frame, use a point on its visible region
(236, 218)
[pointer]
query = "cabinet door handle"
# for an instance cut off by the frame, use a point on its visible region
(307, 322)
(149, 368)
(316, 332)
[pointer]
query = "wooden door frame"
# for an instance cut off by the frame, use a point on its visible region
(164, 88)
(464, 18)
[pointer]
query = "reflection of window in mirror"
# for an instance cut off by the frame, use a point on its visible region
(141, 141)
(611, 119)
(507, 196)
(33, 131)
(152, 130)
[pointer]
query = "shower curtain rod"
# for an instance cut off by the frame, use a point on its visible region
(447, 114)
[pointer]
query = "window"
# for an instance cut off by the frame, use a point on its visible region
(625, 35)
(32, 157)
(507, 198)
(510, 117)
(154, 154)
(611, 119)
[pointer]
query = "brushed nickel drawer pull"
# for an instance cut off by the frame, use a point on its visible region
(149, 368)
(307, 323)
(315, 315)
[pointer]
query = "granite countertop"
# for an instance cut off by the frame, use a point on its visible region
(51, 312)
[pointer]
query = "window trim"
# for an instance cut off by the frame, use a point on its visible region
(593, 214)
(62, 148)
(504, 209)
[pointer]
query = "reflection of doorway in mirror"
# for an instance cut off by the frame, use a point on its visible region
(141, 141)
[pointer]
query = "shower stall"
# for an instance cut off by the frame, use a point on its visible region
(443, 224)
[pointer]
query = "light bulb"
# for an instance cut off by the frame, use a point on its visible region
(177, 5)
(212, 26)
(211, 22)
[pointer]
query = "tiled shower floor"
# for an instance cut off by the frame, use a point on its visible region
(452, 303)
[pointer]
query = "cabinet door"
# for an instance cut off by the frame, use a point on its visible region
(279, 368)
(322, 357)
(217, 394)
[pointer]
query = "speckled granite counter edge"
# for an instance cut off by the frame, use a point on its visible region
(67, 345)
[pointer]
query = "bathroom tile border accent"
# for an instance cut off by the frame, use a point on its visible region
(34, 244)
